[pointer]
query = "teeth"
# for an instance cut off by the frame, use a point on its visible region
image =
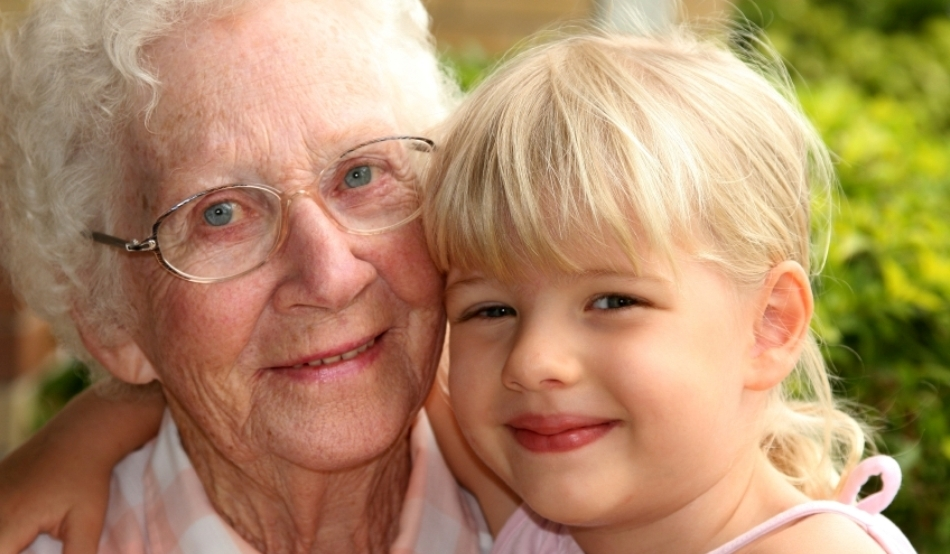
(344, 356)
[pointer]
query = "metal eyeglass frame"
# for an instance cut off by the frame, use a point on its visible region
(150, 243)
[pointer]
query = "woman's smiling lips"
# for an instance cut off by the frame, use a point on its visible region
(348, 355)
(330, 366)
(560, 433)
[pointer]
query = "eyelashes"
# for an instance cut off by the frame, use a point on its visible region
(615, 302)
(492, 311)
(602, 302)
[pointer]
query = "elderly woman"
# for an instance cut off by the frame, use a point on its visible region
(221, 196)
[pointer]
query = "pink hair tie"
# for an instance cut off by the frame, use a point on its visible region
(890, 473)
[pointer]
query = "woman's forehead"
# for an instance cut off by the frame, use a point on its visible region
(280, 62)
(270, 101)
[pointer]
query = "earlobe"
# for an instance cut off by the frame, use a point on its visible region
(120, 354)
(783, 316)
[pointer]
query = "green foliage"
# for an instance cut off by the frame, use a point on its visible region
(879, 92)
(468, 67)
(56, 390)
(889, 15)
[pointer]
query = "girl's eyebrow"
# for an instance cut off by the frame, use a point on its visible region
(573, 277)
(620, 274)
(466, 282)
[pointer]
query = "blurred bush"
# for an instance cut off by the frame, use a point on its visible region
(57, 389)
(875, 79)
(468, 67)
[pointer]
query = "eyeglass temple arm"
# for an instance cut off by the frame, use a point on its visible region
(146, 245)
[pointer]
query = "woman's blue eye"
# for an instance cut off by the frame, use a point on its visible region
(614, 302)
(219, 214)
(358, 176)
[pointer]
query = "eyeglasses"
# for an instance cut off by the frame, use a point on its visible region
(227, 231)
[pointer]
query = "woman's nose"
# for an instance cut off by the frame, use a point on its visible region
(542, 359)
(321, 268)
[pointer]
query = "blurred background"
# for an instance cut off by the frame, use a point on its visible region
(874, 76)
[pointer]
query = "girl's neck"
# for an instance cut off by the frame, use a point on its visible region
(750, 493)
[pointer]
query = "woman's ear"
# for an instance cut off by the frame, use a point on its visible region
(118, 353)
(784, 309)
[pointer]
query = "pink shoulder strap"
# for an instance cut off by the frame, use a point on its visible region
(844, 504)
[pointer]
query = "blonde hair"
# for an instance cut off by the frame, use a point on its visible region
(664, 141)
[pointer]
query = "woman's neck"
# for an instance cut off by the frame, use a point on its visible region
(752, 492)
(280, 507)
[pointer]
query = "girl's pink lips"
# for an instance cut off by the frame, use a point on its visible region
(560, 433)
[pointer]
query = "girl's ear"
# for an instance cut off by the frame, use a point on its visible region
(784, 310)
(118, 353)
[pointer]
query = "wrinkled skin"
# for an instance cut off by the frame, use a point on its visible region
(271, 96)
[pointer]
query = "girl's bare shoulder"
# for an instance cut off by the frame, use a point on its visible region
(819, 533)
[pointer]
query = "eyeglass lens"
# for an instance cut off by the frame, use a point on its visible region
(230, 230)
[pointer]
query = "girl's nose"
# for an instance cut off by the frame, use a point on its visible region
(541, 359)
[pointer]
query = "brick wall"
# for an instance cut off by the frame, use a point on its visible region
(12, 5)
(495, 25)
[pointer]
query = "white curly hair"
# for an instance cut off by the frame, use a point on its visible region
(70, 75)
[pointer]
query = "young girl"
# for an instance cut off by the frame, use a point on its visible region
(624, 224)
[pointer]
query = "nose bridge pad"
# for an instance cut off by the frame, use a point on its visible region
(286, 200)
(313, 193)
(308, 190)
